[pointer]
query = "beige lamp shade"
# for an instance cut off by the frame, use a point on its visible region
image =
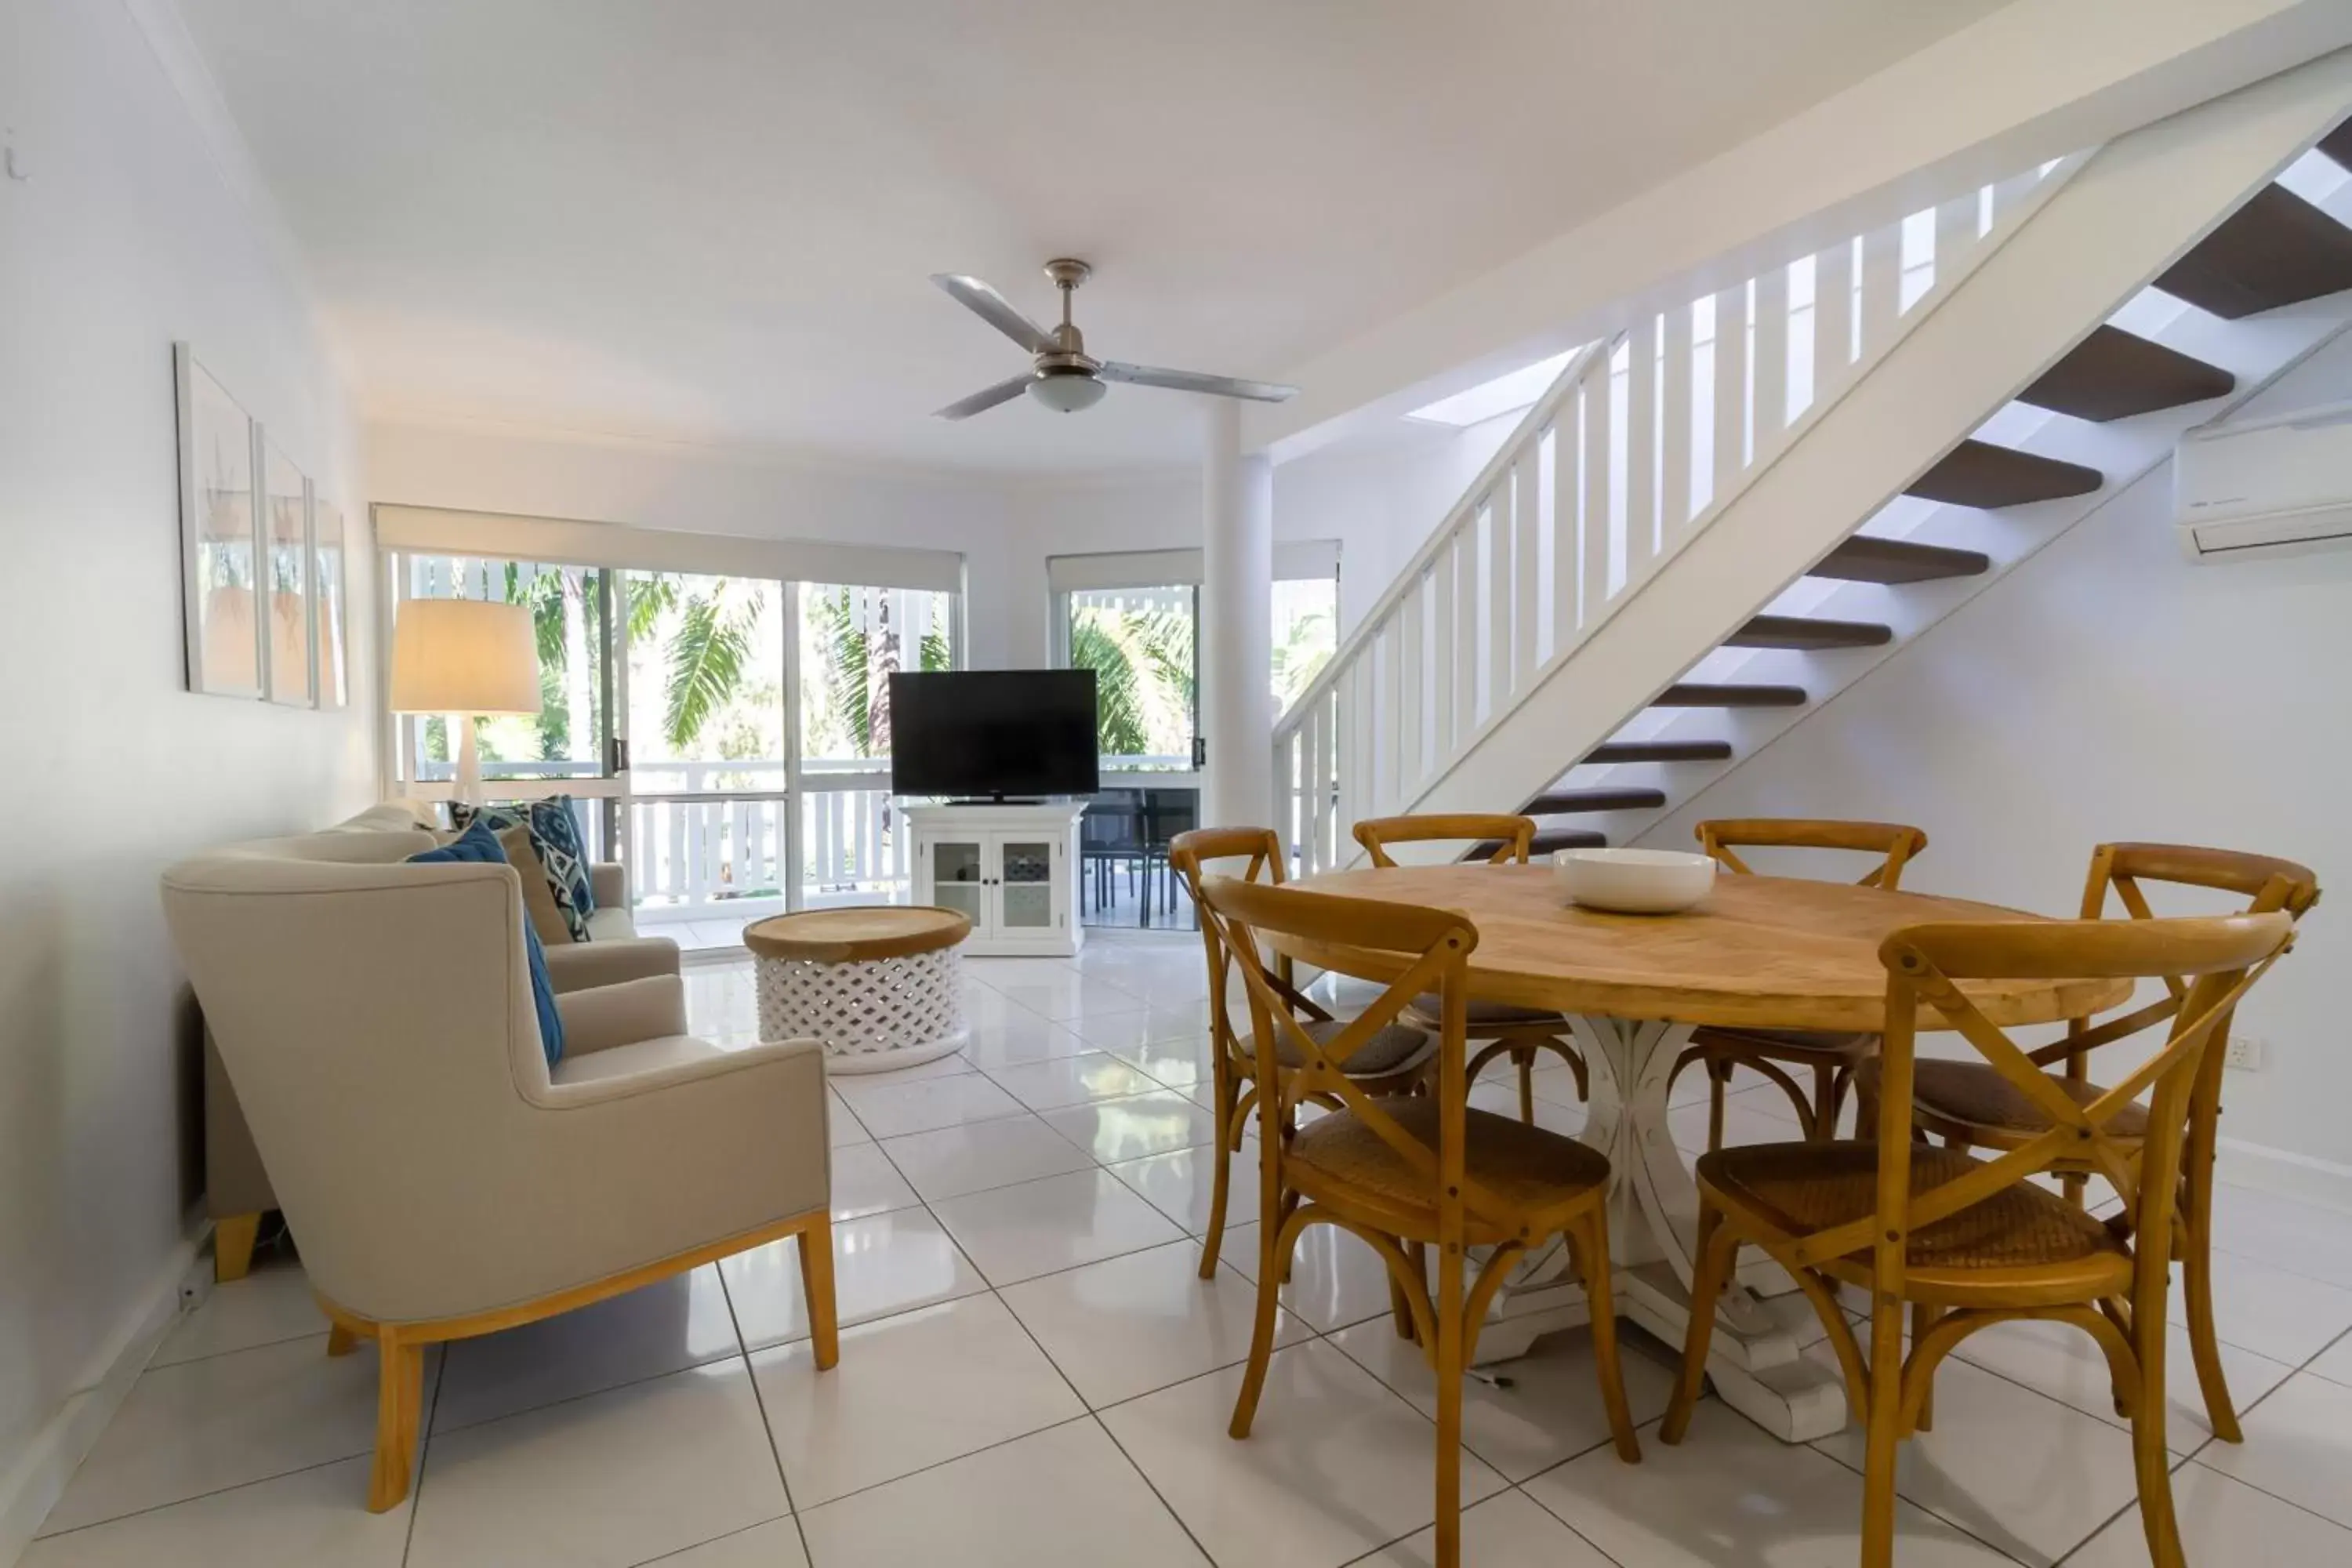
(464, 656)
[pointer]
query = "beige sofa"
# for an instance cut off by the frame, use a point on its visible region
(377, 1022)
(237, 1188)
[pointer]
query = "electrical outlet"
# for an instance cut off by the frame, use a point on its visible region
(2245, 1053)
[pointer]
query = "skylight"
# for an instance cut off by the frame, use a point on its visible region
(1504, 394)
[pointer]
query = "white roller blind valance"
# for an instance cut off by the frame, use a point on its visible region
(1293, 559)
(559, 542)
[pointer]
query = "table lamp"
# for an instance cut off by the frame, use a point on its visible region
(464, 656)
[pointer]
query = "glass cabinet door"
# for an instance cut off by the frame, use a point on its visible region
(1027, 891)
(956, 881)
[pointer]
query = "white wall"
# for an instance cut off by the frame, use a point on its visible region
(2108, 689)
(121, 234)
(1379, 500)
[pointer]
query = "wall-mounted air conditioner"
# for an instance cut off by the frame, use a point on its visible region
(2268, 487)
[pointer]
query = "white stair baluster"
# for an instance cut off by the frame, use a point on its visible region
(1772, 371)
(1641, 447)
(1730, 390)
(1675, 427)
(1450, 657)
(1526, 576)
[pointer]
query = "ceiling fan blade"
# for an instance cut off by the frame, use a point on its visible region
(1194, 381)
(995, 309)
(987, 398)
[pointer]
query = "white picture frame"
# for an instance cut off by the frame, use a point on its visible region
(220, 534)
(289, 664)
(330, 603)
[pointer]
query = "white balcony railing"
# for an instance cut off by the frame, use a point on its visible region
(710, 839)
(1641, 444)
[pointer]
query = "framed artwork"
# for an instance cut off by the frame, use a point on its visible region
(327, 638)
(285, 574)
(220, 534)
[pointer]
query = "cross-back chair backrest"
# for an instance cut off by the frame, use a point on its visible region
(1928, 967)
(1415, 952)
(1894, 843)
(2265, 881)
(1513, 835)
(1259, 852)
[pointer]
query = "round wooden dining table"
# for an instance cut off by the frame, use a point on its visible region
(1758, 951)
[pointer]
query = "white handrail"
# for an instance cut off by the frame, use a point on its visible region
(1636, 449)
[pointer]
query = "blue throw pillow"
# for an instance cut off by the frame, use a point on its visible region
(479, 843)
(555, 839)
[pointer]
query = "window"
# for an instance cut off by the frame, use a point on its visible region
(1140, 643)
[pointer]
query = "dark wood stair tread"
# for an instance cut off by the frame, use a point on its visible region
(1979, 474)
(2337, 145)
(1806, 632)
(1659, 751)
(1554, 803)
(1544, 844)
(1700, 694)
(1864, 559)
(2111, 375)
(2277, 249)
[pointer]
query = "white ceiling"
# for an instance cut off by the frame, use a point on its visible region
(713, 220)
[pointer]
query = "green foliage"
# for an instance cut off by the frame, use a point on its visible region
(1302, 656)
(849, 710)
(1142, 661)
(706, 656)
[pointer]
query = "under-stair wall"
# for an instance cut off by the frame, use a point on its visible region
(1414, 715)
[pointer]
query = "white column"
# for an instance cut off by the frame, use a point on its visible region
(1237, 652)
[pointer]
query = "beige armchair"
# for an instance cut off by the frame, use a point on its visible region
(376, 1021)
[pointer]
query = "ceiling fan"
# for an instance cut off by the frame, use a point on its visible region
(1064, 377)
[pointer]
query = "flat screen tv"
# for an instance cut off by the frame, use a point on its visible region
(994, 733)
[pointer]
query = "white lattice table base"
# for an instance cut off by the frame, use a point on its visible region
(875, 1005)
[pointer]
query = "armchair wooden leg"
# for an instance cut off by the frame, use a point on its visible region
(816, 1280)
(399, 1410)
(1451, 1364)
(1221, 1173)
(233, 1239)
(1883, 1432)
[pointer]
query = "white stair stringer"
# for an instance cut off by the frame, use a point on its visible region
(2089, 249)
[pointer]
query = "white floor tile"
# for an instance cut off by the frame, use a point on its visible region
(200, 1426)
(2334, 1364)
(1503, 1100)
(1116, 1130)
(1551, 1412)
(270, 1304)
(1055, 1222)
(1123, 1032)
(1069, 997)
(1128, 1325)
(2064, 1363)
(1017, 1037)
(909, 1392)
(1335, 1465)
(1178, 1063)
(607, 1481)
(2302, 1238)
(865, 1182)
(315, 1518)
(1071, 1081)
(959, 1159)
(1508, 1531)
(665, 1327)
(892, 1108)
(1064, 1497)
(2016, 1470)
(2298, 1447)
(1335, 1278)
(883, 1263)
(948, 1065)
(843, 1128)
(775, 1544)
(1732, 1493)
(2223, 1522)
(1743, 1124)
(2286, 1316)
(1180, 1183)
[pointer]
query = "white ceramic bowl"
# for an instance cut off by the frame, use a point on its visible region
(1633, 881)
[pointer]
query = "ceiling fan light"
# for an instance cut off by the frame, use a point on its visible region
(1067, 391)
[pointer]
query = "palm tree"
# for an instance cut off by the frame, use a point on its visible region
(1301, 658)
(852, 707)
(1142, 661)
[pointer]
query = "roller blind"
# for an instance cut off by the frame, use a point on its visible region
(1293, 559)
(558, 542)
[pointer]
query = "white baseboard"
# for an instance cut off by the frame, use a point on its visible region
(2289, 1174)
(32, 1479)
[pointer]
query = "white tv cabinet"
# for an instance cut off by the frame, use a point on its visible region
(1012, 870)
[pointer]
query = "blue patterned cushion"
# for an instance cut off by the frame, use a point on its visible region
(479, 842)
(555, 839)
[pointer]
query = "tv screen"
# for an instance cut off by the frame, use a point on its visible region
(989, 732)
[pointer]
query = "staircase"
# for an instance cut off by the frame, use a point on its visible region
(1717, 520)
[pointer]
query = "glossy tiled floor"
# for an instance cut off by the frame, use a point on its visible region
(1033, 1374)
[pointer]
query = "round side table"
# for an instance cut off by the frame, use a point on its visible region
(882, 986)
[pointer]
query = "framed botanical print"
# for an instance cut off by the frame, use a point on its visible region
(220, 534)
(327, 603)
(286, 576)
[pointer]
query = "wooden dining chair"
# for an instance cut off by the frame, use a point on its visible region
(1967, 1243)
(1406, 1173)
(1970, 1106)
(1770, 1053)
(1519, 1032)
(1393, 1061)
